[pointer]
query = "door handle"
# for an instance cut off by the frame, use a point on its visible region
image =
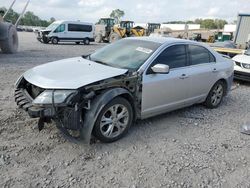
(215, 70)
(183, 76)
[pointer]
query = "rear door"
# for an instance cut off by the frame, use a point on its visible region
(203, 72)
(165, 92)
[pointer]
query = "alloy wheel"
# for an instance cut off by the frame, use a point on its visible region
(217, 95)
(114, 121)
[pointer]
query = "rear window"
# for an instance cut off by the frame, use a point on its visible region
(200, 55)
(79, 28)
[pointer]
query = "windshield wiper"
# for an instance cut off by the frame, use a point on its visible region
(89, 58)
(86, 56)
(101, 62)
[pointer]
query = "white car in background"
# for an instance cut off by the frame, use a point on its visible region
(242, 66)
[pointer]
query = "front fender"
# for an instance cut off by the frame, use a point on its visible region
(96, 106)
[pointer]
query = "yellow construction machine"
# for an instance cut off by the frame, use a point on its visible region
(126, 29)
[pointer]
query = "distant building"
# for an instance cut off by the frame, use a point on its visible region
(229, 28)
(242, 34)
(181, 27)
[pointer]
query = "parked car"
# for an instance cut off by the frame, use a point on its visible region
(242, 66)
(67, 31)
(135, 78)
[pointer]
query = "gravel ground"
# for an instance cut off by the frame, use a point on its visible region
(192, 147)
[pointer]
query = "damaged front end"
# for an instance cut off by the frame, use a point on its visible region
(43, 36)
(62, 106)
(74, 110)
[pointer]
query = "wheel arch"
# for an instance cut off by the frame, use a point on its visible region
(226, 84)
(97, 104)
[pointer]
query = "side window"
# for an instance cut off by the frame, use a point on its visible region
(174, 57)
(200, 55)
(60, 28)
(79, 28)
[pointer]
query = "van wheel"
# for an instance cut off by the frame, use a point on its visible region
(86, 41)
(77, 42)
(113, 121)
(54, 40)
(216, 95)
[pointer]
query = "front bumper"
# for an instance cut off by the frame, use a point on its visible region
(41, 37)
(24, 101)
(239, 75)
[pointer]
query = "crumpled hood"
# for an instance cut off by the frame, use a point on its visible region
(242, 59)
(70, 73)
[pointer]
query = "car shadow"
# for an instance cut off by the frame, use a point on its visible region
(241, 82)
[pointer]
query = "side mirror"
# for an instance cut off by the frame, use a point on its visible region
(160, 68)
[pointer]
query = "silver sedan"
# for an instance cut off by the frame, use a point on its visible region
(101, 94)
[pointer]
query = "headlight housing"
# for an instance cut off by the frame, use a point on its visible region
(59, 96)
(246, 66)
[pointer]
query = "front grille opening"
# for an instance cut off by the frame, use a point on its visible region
(33, 90)
(238, 63)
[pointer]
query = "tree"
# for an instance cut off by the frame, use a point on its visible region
(29, 18)
(220, 23)
(208, 24)
(12, 16)
(117, 14)
(52, 19)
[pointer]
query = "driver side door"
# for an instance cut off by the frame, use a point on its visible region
(165, 92)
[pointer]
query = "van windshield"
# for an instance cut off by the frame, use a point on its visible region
(52, 26)
(125, 53)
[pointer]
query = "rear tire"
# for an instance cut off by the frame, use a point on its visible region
(10, 45)
(113, 121)
(114, 37)
(98, 38)
(54, 40)
(216, 95)
(78, 43)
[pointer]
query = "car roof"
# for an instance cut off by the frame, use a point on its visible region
(163, 40)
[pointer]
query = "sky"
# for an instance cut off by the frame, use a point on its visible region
(140, 11)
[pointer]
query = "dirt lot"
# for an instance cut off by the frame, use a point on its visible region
(193, 147)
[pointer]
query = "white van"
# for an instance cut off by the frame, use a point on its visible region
(67, 31)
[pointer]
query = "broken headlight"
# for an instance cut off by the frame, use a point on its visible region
(50, 96)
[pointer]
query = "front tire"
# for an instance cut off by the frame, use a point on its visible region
(216, 95)
(98, 38)
(113, 121)
(54, 40)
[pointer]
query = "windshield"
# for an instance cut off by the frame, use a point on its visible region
(52, 26)
(126, 53)
(247, 52)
